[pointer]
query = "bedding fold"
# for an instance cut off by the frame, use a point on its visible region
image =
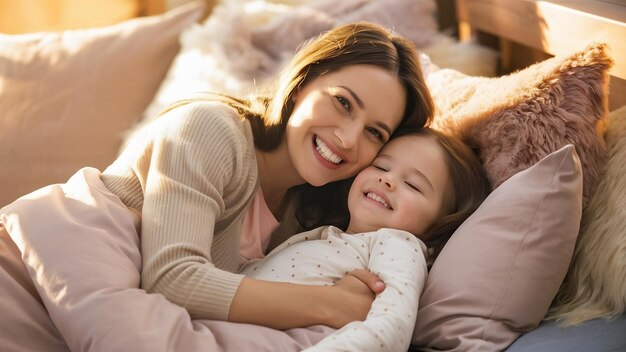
(79, 246)
(25, 324)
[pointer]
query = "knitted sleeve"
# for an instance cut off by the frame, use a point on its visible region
(198, 154)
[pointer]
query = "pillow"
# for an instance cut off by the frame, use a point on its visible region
(495, 278)
(515, 120)
(595, 285)
(67, 97)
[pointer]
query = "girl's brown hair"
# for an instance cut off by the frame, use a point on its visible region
(468, 186)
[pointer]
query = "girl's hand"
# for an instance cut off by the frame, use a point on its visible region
(353, 297)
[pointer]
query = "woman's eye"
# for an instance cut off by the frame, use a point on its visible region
(377, 134)
(344, 102)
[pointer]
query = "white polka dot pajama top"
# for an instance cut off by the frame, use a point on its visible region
(324, 255)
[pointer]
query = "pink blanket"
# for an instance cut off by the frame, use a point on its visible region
(69, 279)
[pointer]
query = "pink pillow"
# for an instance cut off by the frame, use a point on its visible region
(67, 98)
(515, 120)
(495, 278)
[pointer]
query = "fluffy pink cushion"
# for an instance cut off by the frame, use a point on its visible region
(595, 285)
(516, 120)
(66, 98)
(496, 277)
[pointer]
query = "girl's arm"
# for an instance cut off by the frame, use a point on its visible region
(398, 257)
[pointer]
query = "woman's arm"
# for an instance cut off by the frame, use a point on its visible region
(194, 170)
(282, 305)
(198, 172)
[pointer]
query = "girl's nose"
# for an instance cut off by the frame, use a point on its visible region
(387, 181)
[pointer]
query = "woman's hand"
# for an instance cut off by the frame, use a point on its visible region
(353, 297)
(372, 281)
(282, 306)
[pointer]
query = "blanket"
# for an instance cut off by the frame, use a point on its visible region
(69, 280)
(70, 268)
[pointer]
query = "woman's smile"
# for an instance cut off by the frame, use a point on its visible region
(325, 154)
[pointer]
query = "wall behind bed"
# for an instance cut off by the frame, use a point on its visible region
(27, 16)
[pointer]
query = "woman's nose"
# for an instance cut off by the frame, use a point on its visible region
(349, 133)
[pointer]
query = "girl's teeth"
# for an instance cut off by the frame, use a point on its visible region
(378, 199)
(325, 152)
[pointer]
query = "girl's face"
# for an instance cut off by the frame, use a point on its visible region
(341, 120)
(404, 188)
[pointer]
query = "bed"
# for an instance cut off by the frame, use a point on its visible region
(528, 31)
(71, 99)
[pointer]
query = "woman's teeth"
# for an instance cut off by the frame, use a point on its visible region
(325, 152)
(378, 199)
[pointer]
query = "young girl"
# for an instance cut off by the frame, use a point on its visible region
(403, 208)
(193, 173)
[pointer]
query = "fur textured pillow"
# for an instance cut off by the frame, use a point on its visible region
(595, 285)
(516, 120)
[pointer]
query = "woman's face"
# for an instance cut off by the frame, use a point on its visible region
(341, 120)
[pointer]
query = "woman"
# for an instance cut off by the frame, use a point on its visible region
(193, 173)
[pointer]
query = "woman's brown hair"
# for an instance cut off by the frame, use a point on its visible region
(350, 44)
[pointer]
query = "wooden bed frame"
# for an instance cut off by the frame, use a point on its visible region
(528, 31)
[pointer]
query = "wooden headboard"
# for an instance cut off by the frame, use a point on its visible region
(528, 31)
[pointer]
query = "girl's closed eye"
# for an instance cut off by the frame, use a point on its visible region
(413, 186)
(379, 167)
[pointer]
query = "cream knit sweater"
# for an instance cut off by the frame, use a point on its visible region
(191, 173)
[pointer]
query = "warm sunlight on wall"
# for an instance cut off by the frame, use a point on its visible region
(23, 16)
